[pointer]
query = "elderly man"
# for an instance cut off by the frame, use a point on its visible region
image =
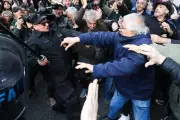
(160, 24)
(92, 21)
(140, 8)
(132, 80)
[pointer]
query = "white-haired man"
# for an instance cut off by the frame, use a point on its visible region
(133, 81)
(92, 21)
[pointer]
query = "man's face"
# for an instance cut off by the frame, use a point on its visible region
(68, 3)
(18, 14)
(161, 10)
(6, 17)
(122, 28)
(140, 5)
(58, 12)
(91, 24)
(43, 26)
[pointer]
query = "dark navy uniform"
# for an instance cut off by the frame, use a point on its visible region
(58, 73)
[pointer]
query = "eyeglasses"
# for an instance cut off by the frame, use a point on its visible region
(44, 22)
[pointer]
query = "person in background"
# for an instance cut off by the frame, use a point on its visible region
(71, 23)
(18, 25)
(61, 19)
(67, 3)
(7, 18)
(6, 5)
(90, 21)
(77, 4)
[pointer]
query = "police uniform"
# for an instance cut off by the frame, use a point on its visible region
(58, 74)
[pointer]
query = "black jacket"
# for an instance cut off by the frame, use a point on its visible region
(173, 68)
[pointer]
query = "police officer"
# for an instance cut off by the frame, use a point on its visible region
(56, 68)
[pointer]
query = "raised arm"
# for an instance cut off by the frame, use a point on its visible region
(125, 66)
(99, 39)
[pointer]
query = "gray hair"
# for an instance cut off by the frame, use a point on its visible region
(145, 2)
(90, 15)
(7, 12)
(71, 11)
(135, 22)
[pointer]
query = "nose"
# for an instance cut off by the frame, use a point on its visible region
(93, 25)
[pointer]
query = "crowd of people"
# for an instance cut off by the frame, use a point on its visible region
(129, 45)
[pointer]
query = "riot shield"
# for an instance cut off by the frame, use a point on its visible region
(13, 79)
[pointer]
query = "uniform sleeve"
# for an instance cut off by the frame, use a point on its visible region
(173, 68)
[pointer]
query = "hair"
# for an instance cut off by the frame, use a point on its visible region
(8, 3)
(90, 15)
(71, 11)
(7, 12)
(145, 2)
(135, 22)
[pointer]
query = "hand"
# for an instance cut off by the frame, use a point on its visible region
(154, 56)
(19, 23)
(114, 26)
(84, 2)
(29, 25)
(90, 107)
(44, 61)
(158, 39)
(82, 65)
(99, 14)
(132, 47)
(69, 41)
(114, 6)
(167, 27)
(119, 2)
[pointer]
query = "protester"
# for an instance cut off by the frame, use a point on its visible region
(102, 28)
(119, 68)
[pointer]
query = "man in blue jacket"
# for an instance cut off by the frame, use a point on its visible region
(133, 81)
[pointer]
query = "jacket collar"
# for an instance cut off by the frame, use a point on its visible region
(124, 38)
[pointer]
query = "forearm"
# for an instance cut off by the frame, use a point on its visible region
(168, 50)
(99, 39)
(173, 68)
(122, 67)
(80, 14)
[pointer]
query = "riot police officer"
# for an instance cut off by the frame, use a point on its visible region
(57, 69)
